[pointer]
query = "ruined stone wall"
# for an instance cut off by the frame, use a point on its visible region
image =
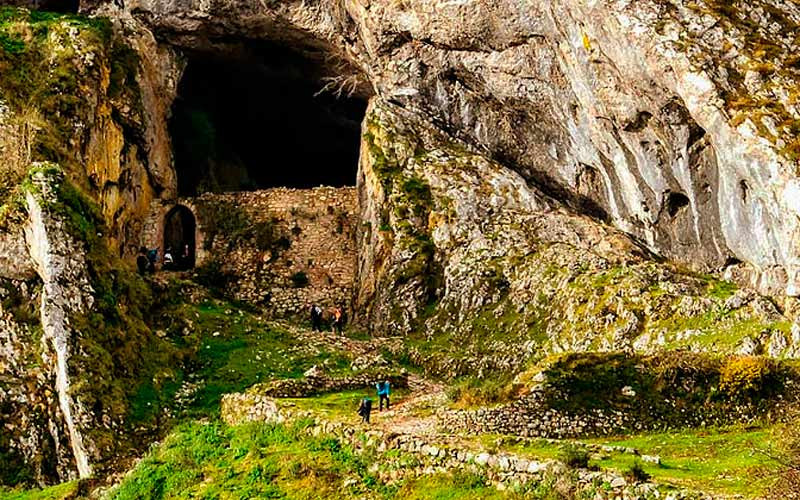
(264, 241)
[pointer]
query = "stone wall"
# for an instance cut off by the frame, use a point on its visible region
(533, 416)
(419, 455)
(312, 385)
(263, 239)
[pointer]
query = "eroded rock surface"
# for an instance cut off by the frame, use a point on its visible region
(672, 120)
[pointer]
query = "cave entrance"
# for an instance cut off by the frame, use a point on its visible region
(179, 237)
(60, 6)
(265, 116)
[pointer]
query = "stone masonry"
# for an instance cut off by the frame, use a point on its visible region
(314, 238)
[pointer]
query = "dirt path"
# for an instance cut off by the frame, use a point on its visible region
(414, 413)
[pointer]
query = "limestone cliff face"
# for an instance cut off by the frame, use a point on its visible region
(488, 272)
(672, 120)
(93, 96)
(66, 292)
(44, 422)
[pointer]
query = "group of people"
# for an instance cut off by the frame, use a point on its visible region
(336, 317)
(148, 259)
(365, 408)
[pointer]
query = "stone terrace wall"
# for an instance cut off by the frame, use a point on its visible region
(533, 417)
(319, 225)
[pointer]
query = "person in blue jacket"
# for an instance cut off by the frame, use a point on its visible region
(383, 394)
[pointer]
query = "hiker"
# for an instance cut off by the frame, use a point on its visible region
(142, 262)
(152, 257)
(169, 262)
(364, 409)
(337, 325)
(316, 318)
(383, 393)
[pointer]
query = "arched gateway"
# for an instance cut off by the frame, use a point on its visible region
(179, 236)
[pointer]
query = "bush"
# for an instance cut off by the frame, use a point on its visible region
(574, 456)
(636, 473)
(750, 376)
(473, 392)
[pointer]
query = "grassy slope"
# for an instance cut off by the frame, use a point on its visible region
(209, 460)
(730, 460)
(58, 492)
(226, 347)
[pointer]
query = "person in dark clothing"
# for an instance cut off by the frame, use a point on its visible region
(152, 257)
(142, 262)
(383, 393)
(316, 318)
(365, 409)
(337, 324)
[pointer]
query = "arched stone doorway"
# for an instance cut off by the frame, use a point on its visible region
(179, 236)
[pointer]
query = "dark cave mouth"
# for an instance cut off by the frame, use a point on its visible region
(58, 6)
(262, 120)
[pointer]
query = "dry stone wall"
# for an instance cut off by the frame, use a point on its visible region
(418, 455)
(280, 248)
(533, 416)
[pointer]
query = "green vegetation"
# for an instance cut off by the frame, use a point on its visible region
(228, 348)
(667, 385)
(62, 491)
(209, 460)
(251, 461)
(733, 460)
(410, 201)
(222, 218)
(340, 405)
(277, 461)
(576, 457)
(473, 392)
(117, 348)
(51, 71)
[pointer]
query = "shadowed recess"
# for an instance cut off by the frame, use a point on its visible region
(257, 120)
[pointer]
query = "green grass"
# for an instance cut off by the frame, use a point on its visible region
(58, 492)
(211, 460)
(726, 461)
(342, 405)
(232, 349)
(450, 487)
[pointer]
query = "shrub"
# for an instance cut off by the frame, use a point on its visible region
(474, 391)
(636, 473)
(574, 456)
(750, 376)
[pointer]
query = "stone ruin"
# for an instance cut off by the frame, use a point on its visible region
(282, 249)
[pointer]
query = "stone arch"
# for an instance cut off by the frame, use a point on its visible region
(180, 236)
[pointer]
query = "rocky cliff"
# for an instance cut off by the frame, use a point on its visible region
(672, 120)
